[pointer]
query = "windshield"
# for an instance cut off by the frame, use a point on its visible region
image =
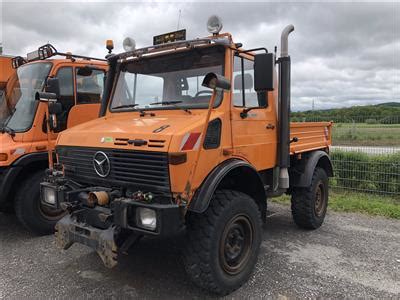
(4, 114)
(172, 80)
(18, 107)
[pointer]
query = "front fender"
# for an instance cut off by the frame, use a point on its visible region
(250, 183)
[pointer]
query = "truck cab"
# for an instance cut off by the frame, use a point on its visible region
(6, 71)
(194, 137)
(24, 140)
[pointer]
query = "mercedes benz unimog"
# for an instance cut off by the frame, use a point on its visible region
(24, 136)
(194, 138)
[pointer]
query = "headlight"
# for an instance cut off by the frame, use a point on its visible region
(49, 196)
(146, 218)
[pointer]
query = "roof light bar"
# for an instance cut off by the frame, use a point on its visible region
(174, 45)
(44, 52)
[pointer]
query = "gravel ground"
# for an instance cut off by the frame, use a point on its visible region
(350, 256)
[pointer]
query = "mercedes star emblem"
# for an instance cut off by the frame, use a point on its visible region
(101, 164)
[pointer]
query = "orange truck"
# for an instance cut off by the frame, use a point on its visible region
(6, 71)
(24, 142)
(194, 138)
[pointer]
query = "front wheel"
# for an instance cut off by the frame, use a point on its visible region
(31, 213)
(223, 243)
(309, 204)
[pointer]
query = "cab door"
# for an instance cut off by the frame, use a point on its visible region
(254, 134)
(89, 83)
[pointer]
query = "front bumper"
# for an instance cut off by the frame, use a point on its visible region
(99, 227)
(122, 212)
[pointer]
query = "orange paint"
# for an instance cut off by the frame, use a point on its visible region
(34, 139)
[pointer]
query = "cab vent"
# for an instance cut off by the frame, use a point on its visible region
(156, 143)
(121, 142)
(213, 135)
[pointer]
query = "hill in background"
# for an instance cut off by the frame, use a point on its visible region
(385, 113)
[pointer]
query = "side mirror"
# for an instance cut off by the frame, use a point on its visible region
(215, 81)
(264, 72)
(53, 86)
(85, 71)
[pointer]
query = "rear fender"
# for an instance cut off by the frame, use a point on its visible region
(301, 174)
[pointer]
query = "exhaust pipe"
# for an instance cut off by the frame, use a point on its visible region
(284, 109)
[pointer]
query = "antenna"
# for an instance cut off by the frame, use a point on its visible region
(179, 20)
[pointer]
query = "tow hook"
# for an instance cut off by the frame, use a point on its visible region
(102, 241)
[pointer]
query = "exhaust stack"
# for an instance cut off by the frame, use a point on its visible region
(284, 109)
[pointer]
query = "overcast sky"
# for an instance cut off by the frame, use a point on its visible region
(343, 54)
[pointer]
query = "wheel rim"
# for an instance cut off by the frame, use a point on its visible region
(319, 206)
(235, 245)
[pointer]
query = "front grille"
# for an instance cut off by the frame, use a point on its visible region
(143, 170)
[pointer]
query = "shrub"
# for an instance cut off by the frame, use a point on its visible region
(371, 121)
(363, 172)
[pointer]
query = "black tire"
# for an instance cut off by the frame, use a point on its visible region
(309, 204)
(30, 213)
(210, 259)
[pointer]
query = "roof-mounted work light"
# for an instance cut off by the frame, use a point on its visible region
(17, 61)
(46, 51)
(129, 44)
(214, 24)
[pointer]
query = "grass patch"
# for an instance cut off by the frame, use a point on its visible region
(358, 202)
(362, 134)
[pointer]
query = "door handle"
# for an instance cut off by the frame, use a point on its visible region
(270, 126)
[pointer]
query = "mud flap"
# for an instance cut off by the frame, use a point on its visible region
(69, 231)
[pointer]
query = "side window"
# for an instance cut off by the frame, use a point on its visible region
(89, 88)
(243, 92)
(65, 77)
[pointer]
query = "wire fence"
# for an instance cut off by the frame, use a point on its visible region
(365, 153)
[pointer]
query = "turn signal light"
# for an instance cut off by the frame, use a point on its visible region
(177, 158)
(3, 156)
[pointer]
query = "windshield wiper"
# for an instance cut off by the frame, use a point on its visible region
(166, 103)
(126, 106)
(172, 103)
(8, 130)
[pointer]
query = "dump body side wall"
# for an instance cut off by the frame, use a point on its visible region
(311, 136)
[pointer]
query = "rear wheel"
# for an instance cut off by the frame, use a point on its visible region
(31, 213)
(223, 242)
(309, 204)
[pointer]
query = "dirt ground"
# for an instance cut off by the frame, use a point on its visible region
(351, 255)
